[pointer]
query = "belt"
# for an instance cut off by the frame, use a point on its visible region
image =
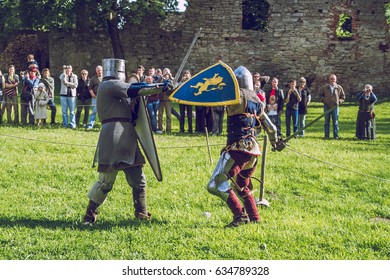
(116, 120)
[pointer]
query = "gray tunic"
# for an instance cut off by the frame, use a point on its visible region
(41, 100)
(117, 145)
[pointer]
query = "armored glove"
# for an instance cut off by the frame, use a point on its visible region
(278, 144)
(169, 87)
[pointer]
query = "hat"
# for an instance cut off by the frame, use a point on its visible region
(41, 85)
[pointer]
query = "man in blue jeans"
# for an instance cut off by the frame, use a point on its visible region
(153, 103)
(331, 95)
(93, 88)
(292, 106)
(69, 83)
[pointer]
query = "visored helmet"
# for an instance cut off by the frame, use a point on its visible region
(114, 68)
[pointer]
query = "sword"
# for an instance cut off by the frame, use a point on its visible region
(262, 201)
(183, 63)
(309, 124)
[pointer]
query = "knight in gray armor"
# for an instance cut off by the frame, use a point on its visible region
(118, 147)
(238, 158)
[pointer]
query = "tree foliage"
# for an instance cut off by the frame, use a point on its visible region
(44, 15)
(36, 15)
(16, 51)
(387, 12)
(255, 14)
(83, 15)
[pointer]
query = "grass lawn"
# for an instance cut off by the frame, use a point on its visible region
(330, 199)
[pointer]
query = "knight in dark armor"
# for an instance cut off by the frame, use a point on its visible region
(118, 148)
(365, 123)
(239, 157)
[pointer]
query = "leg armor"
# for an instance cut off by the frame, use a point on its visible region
(100, 189)
(243, 171)
(219, 184)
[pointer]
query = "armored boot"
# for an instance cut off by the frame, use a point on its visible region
(238, 221)
(141, 210)
(91, 213)
(239, 215)
(250, 205)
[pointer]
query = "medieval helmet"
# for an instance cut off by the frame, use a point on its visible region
(244, 77)
(114, 68)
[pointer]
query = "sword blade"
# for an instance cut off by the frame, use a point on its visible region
(310, 124)
(183, 63)
(262, 174)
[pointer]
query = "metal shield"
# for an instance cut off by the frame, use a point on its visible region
(146, 139)
(213, 86)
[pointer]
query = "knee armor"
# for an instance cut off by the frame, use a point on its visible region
(99, 191)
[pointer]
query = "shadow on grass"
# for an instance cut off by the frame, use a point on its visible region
(74, 225)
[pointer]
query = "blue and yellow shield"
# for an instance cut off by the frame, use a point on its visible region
(214, 86)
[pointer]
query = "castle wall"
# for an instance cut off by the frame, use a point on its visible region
(300, 41)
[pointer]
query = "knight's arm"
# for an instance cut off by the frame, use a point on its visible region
(269, 128)
(145, 89)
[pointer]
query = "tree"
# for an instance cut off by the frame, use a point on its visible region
(82, 15)
(16, 51)
(117, 13)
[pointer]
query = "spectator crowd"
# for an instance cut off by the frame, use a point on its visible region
(78, 94)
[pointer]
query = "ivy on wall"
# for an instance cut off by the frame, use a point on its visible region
(344, 27)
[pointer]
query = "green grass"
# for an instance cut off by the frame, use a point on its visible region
(329, 199)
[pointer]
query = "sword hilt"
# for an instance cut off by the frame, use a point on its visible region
(279, 145)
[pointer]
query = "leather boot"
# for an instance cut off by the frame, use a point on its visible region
(238, 221)
(91, 213)
(140, 207)
(239, 215)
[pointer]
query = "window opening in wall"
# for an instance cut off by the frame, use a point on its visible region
(255, 15)
(344, 27)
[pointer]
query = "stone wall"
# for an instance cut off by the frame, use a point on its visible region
(300, 41)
